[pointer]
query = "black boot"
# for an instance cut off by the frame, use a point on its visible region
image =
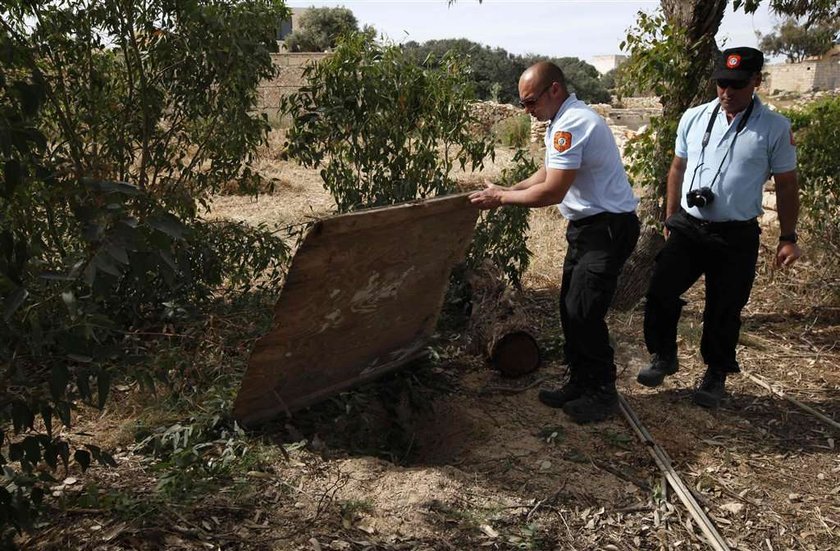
(660, 366)
(595, 404)
(711, 389)
(557, 398)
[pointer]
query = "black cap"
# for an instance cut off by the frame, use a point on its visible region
(738, 64)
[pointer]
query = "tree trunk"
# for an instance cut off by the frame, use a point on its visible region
(499, 328)
(635, 276)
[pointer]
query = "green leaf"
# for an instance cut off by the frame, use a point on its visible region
(56, 276)
(117, 252)
(82, 457)
(63, 450)
(13, 302)
(83, 384)
(106, 186)
(47, 415)
(168, 224)
(63, 411)
(31, 449)
(59, 377)
(13, 174)
(103, 262)
(50, 455)
(15, 451)
(36, 494)
(22, 416)
(103, 385)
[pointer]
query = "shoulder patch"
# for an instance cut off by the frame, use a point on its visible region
(562, 141)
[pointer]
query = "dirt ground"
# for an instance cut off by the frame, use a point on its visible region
(488, 467)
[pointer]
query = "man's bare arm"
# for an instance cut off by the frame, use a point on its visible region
(551, 191)
(787, 203)
(674, 189)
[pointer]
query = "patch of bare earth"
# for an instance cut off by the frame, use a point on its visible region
(485, 465)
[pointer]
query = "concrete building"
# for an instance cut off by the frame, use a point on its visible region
(606, 63)
(287, 26)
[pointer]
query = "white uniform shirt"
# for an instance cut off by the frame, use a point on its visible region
(764, 146)
(578, 138)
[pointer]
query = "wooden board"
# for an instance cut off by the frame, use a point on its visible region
(362, 298)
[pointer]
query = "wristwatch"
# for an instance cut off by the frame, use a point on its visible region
(789, 237)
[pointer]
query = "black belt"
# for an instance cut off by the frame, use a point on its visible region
(719, 225)
(600, 216)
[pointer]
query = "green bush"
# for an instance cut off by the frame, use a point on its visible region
(816, 128)
(513, 131)
(383, 129)
(501, 234)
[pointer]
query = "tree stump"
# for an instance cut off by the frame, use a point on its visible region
(499, 328)
(635, 275)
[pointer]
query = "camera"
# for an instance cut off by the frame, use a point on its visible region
(700, 197)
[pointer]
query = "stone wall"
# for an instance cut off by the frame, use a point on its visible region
(805, 76)
(638, 102)
(489, 113)
(623, 122)
(289, 79)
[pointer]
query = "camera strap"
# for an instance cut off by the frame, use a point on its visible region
(708, 134)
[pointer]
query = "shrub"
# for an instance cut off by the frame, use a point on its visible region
(384, 129)
(816, 128)
(501, 234)
(513, 131)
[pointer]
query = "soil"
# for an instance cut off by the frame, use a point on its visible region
(482, 464)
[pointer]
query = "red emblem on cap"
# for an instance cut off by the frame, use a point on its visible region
(733, 61)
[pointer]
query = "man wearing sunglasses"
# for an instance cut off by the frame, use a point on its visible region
(725, 152)
(582, 175)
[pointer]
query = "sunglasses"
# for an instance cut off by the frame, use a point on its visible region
(530, 102)
(724, 83)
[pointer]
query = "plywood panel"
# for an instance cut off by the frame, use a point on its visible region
(362, 298)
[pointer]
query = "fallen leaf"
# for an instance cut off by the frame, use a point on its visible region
(733, 507)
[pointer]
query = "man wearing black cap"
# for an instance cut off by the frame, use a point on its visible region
(725, 151)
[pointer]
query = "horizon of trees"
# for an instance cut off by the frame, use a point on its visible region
(495, 71)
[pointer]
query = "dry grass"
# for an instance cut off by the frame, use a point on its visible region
(489, 466)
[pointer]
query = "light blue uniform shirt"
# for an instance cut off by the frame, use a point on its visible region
(578, 138)
(764, 147)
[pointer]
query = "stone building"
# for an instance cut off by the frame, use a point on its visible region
(810, 75)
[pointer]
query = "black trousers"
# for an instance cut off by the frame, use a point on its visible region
(726, 254)
(598, 246)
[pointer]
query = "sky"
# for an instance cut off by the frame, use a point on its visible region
(554, 28)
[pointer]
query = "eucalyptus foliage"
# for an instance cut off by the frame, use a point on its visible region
(383, 129)
(117, 120)
(501, 234)
(817, 130)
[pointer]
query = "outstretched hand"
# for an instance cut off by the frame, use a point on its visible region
(787, 253)
(488, 198)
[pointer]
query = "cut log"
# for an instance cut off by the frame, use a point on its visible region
(499, 327)
(635, 276)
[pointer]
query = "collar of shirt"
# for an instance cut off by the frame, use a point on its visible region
(758, 108)
(569, 100)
